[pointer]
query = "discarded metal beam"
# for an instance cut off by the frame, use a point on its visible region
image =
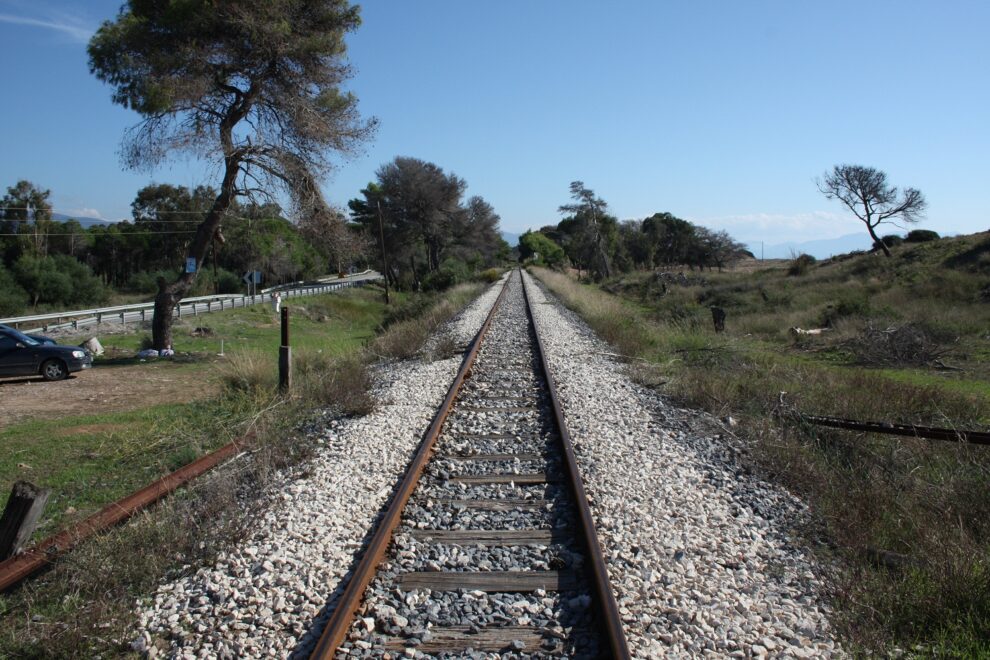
(908, 430)
(21, 566)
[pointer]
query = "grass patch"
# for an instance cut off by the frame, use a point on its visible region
(920, 501)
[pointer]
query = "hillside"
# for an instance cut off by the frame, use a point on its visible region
(904, 340)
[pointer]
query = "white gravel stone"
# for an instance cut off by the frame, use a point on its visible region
(698, 551)
(262, 599)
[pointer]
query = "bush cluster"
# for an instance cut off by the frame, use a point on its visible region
(48, 280)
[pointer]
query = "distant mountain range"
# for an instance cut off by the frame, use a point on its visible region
(510, 238)
(820, 248)
(85, 222)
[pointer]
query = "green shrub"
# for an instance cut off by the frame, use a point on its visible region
(229, 282)
(801, 264)
(490, 275)
(451, 272)
(921, 236)
(849, 305)
(890, 240)
(538, 247)
(13, 298)
(146, 281)
(58, 280)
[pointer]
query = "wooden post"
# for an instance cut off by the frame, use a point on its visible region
(718, 318)
(285, 355)
(20, 516)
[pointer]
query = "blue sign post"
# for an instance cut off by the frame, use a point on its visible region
(190, 264)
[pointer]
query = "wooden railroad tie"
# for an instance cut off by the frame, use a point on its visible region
(502, 409)
(489, 638)
(499, 436)
(494, 457)
(497, 505)
(491, 537)
(490, 581)
(517, 479)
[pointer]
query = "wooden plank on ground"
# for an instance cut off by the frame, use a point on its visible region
(501, 409)
(491, 536)
(491, 638)
(24, 508)
(489, 581)
(494, 457)
(488, 436)
(517, 479)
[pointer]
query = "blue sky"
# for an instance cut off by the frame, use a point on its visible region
(720, 112)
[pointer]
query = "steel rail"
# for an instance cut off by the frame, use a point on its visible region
(611, 621)
(343, 613)
(908, 430)
(17, 568)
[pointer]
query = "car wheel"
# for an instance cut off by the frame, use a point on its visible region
(54, 370)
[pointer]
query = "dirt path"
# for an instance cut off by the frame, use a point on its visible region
(101, 389)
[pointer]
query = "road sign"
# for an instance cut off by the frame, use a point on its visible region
(190, 264)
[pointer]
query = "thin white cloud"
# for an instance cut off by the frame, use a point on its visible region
(73, 29)
(814, 224)
(85, 213)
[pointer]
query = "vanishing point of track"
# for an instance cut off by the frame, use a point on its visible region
(488, 543)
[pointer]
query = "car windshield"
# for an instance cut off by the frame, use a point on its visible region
(21, 337)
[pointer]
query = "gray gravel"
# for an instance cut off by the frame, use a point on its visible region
(262, 599)
(700, 555)
(504, 368)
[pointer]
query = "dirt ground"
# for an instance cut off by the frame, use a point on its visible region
(100, 389)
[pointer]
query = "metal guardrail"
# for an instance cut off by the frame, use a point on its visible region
(141, 312)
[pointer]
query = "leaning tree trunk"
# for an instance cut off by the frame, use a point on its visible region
(877, 241)
(169, 294)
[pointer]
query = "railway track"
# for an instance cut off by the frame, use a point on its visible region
(488, 544)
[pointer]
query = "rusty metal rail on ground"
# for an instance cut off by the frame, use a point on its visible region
(19, 567)
(349, 601)
(908, 430)
(611, 621)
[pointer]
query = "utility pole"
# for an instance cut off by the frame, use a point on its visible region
(381, 234)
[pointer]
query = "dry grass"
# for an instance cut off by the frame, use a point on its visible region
(83, 607)
(922, 503)
(408, 330)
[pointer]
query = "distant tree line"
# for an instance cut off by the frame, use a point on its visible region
(590, 239)
(434, 238)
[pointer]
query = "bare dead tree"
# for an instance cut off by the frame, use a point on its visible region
(865, 191)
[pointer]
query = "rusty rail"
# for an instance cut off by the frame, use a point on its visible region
(19, 567)
(611, 621)
(909, 430)
(349, 601)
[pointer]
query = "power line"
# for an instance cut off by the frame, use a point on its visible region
(121, 234)
(226, 216)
